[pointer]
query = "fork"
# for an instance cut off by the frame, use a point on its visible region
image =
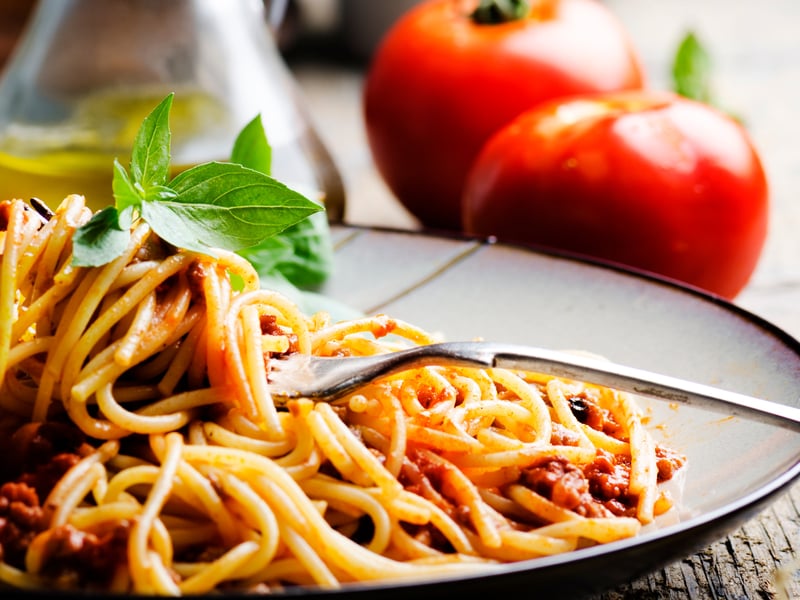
(327, 379)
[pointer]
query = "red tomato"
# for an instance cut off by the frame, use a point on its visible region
(440, 84)
(647, 179)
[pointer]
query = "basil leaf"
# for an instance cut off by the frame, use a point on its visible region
(251, 148)
(125, 193)
(150, 157)
(222, 205)
(268, 254)
(226, 206)
(103, 236)
(159, 193)
(691, 70)
(173, 223)
(312, 261)
(303, 253)
(202, 228)
(257, 206)
(125, 220)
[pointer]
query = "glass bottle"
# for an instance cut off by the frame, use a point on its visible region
(86, 72)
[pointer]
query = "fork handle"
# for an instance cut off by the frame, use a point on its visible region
(623, 378)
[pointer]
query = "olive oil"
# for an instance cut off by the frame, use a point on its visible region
(87, 74)
(52, 177)
(76, 156)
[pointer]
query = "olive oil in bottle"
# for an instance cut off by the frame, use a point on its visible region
(86, 74)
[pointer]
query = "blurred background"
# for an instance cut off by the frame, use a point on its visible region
(755, 53)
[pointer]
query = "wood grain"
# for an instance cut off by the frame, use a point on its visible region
(744, 565)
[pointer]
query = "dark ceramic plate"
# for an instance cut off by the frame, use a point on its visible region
(465, 289)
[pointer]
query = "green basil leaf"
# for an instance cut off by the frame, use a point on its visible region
(256, 199)
(174, 223)
(125, 193)
(312, 260)
(691, 70)
(102, 239)
(303, 253)
(150, 158)
(125, 218)
(251, 148)
(159, 193)
(213, 205)
(268, 254)
(226, 206)
(203, 228)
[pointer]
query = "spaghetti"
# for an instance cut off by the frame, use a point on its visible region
(150, 458)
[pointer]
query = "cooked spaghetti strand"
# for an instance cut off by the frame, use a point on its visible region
(150, 458)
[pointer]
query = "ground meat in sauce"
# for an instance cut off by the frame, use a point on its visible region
(668, 462)
(609, 479)
(423, 477)
(44, 453)
(269, 326)
(587, 409)
(21, 519)
(45, 476)
(564, 484)
(563, 436)
(34, 444)
(600, 489)
(194, 276)
(90, 557)
(429, 396)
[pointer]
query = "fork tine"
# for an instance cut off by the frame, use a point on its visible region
(322, 378)
(328, 378)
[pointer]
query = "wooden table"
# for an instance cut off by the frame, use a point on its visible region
(756, 51)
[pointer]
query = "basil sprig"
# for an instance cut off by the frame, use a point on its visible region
(225, 205)
(691, 70)
(303, 253)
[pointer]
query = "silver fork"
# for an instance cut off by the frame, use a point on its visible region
(327, 379)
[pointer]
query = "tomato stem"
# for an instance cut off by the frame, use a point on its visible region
(494, 12)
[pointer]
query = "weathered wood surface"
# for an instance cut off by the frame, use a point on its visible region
(746, 565)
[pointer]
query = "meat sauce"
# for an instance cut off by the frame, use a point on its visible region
(43, 453)
(598, 489)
